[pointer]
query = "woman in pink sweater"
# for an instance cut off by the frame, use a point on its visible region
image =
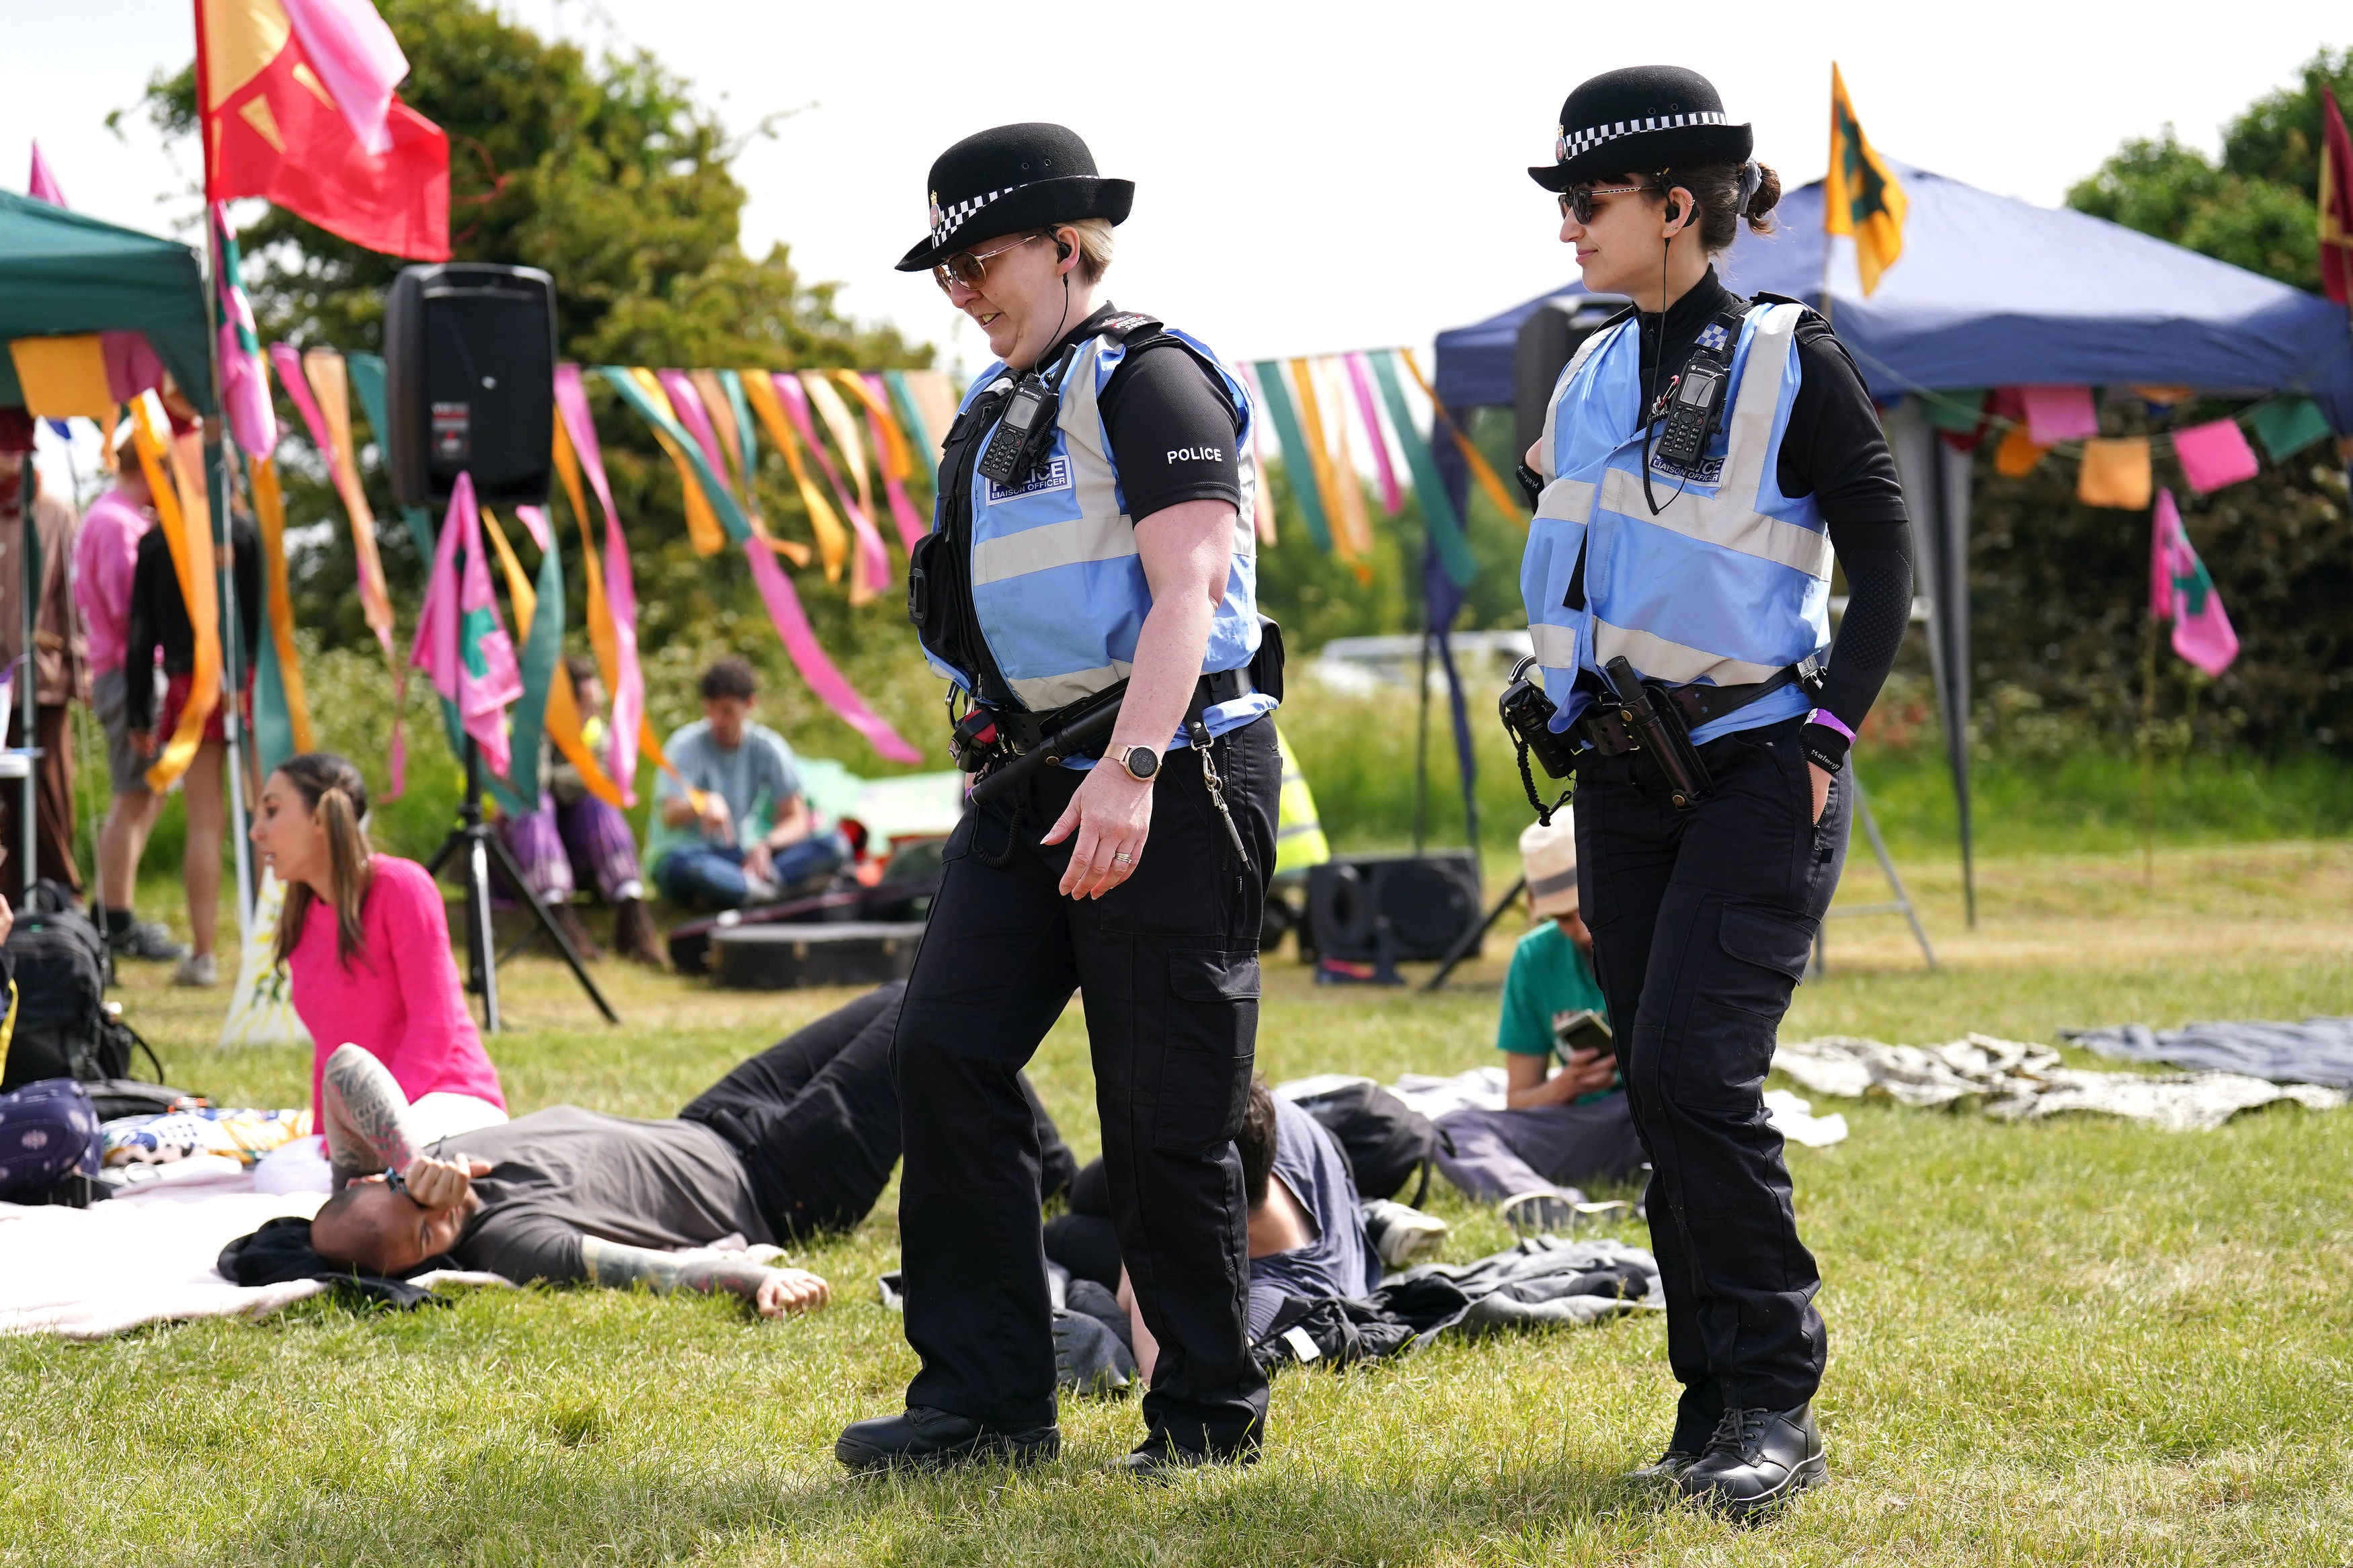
(365, 939)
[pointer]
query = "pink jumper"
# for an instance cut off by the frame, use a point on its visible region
(400, 1000)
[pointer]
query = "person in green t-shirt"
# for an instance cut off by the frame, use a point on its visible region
(1558, 1125)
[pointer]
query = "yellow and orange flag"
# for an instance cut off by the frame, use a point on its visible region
(1861, 196)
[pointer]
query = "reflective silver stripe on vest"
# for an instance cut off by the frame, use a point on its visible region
(1671, 662)
(1055, 544)
(1556, 647)
(1585, 351)
(1729, 518)
(1566, 501)
(1047, 692)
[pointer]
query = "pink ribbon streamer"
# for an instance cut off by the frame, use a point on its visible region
(629, 697)
(535, 523)
(790, 393)
(687, 403)
(793, 628)
(903, 511)
(1361, 378)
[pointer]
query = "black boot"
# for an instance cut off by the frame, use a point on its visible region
(1160, 1459)
(920, 1437)
(1757, 1458)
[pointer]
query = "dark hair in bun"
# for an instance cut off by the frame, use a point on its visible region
(1718, 188)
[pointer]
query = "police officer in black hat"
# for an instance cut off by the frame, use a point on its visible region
(1704, 459)
(1092, 544)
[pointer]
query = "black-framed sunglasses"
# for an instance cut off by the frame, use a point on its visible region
(1576, 202)
(970, 268)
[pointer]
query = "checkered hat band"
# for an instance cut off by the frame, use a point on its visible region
(952, 218)
(1573, 143)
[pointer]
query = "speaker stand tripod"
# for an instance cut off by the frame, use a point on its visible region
(479, 843)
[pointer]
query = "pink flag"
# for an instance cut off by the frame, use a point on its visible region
(2059, 413)
(2214, 455)
(245, 384)
(628, 694)
(1360, 378)
(461, 642)
(358, 60)
(43, 187)
(2201, 632)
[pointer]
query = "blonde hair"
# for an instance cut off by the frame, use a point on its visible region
(337, 797)
(1094, 245)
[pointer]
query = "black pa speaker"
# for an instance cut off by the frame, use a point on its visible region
(470, 378)
(1547, 337)
(1422, 904)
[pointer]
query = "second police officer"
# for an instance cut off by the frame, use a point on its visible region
(1093, 535)
(1703, 460)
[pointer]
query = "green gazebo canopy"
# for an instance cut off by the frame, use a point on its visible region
(62, 273)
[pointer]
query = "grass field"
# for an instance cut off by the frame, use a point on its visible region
(2081, 1341)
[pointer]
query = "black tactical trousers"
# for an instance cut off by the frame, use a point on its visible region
(1702, 923)
(1167, 967)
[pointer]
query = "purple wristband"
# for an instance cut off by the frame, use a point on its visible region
(1829, 721)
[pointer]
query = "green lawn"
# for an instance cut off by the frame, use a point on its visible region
(2082, 1342)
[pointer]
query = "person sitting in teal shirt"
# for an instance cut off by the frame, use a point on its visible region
(732, 825)
(1559, 1126)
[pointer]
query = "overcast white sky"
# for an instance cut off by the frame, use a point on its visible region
(1309, 178)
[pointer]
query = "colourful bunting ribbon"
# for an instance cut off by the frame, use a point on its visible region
(869, 559)
(832, 538)
(1481, 469)
(1299, 465)
(281, 712)
(674, 395)
(794, 398)
(244, 388)
(1318, 453)
(542, 660)
(1361, 382)
(612, 591)
(459, 642)
(1349, 491)
(1437, 506)
(192, 564)
(890, 452)
(730, 388)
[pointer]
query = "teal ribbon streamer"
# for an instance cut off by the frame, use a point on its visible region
(273, 722)
(366, 372)
(1296, 464)
(909, 416)
(1437, 506)
(541, 651)
(722, 502)
(733, 382)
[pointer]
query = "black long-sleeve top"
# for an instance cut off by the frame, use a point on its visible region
(1835, 451)
(159, 615)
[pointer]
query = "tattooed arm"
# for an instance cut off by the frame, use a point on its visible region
(365, 1116)
(775, 1291)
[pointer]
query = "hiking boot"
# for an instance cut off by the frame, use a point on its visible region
(1160, 1459)
(920, 1437)
(147, 940)
(1757, 1459)
(197, 969)
(1667, 1469)
(1403, 1234)
(634, 937)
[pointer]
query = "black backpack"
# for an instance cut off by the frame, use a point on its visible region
(1384, 1138)
(64, 1028)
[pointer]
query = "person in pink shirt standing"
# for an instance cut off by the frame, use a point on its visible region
(365, 941)
(106, 553)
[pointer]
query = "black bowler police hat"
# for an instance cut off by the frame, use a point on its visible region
(1011, 178)
(1641, 119)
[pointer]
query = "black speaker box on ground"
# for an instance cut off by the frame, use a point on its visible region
(1426, 903)
(1547, 337)
(784, 957)
(469, 382)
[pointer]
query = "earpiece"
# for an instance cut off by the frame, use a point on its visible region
(1673, 210)
(1061, 248)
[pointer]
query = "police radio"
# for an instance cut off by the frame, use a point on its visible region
(1692, 404)
(1016, 447)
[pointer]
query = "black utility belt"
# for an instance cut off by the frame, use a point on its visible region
(1026, 730)
(1609, 731)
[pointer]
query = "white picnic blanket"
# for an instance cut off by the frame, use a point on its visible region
(2014, 1080)
(1482, 1088)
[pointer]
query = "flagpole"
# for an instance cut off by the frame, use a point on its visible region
(217, 483)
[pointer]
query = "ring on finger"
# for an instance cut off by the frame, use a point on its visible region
(1122, 858)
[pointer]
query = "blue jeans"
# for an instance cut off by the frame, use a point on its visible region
(712, 875)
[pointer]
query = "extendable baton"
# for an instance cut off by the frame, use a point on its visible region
(1663, 735)
(1066, 740)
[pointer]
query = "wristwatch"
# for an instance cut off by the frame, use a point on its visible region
(1141, 762)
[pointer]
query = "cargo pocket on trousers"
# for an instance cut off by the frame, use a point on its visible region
(1209, 1035)
(1726, 1047)
(1772, 949)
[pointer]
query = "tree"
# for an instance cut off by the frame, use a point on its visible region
(609, 177)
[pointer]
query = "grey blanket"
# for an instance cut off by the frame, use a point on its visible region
(2318, 1050)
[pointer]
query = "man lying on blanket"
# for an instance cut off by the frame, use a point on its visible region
(800, 1139)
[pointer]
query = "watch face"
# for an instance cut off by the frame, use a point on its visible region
(1141, 762)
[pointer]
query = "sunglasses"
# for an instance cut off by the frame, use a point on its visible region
(1576, 202)
(970, 268)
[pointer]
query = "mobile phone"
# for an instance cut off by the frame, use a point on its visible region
(1582, 1030)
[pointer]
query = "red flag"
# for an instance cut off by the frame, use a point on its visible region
(373, 171)
(2336, 202)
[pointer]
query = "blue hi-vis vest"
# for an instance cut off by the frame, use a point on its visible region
(1728, 585)
(1056, 582)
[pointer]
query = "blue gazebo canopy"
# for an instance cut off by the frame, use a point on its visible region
(1993, 292)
